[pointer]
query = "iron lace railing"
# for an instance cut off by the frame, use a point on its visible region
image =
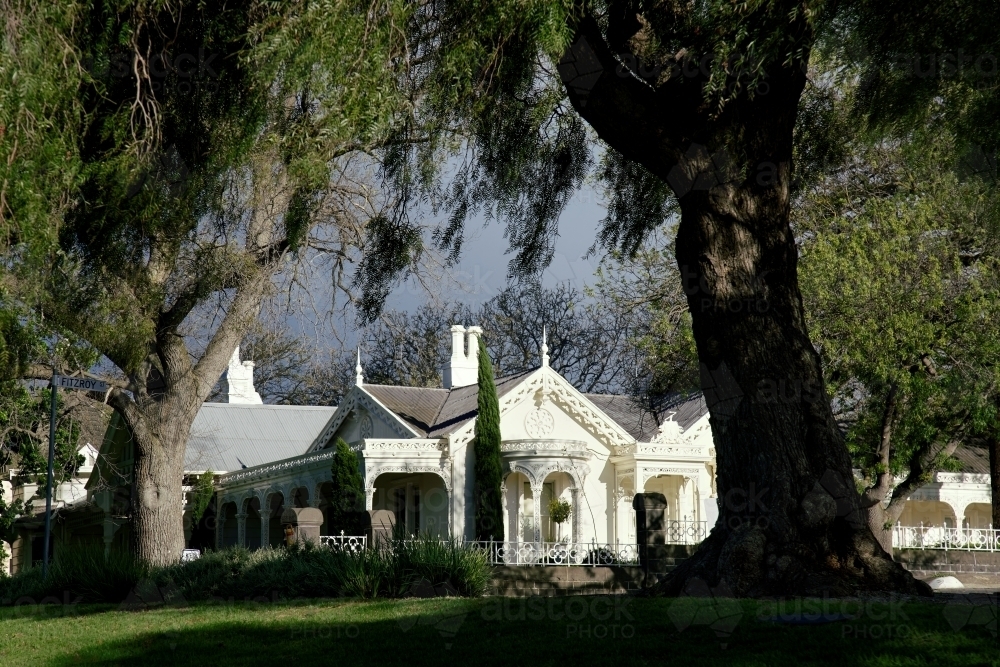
(350, 543)
(943, 537)
(558, 553)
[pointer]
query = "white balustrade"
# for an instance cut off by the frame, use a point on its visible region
(943, 537)
(350, 543)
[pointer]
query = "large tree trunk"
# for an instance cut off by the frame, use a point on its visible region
(789, 514)
(994, 446)
(790, 521)
(158, 500)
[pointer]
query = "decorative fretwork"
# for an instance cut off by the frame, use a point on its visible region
(373, 473)
(574, 446)
(393, 445)
(562, 394)
(350, 543)
(358, 399)
(272, 469)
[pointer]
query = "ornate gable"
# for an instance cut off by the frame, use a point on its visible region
(550, 393)
(359, 402)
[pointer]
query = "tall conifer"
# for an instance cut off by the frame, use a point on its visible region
(489, 477)
(348, 492)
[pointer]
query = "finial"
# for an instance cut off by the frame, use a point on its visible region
(359, 378)
(545, 348)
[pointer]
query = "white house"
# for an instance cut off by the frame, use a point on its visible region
(414, 445)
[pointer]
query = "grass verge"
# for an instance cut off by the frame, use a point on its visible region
(507, 631)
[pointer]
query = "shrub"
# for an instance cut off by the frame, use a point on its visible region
(394, 570)
(84, 573)
(559, 510)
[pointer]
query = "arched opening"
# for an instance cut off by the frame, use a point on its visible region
(253, 519)
(918, 513)
(230, 528)
(419, 502)
(556, 488)
(275, 504)
(300, 496)
(520, 509)
(979, 515)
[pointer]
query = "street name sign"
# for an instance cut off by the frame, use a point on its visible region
(87, 384)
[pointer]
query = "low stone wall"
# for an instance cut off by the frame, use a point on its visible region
(925, 563)
(547, 580)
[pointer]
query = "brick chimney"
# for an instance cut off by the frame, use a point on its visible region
(463, 367)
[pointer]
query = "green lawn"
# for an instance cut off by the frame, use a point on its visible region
(513, 632)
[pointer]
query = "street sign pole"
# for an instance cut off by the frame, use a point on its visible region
(87, 384)
(48, 487)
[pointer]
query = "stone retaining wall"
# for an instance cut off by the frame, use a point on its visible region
(549, 580)
(929, 562)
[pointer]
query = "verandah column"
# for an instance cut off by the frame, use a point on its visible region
(265, 523)
(241, 529)
(575, 519)
(536, 504)
(220, 522)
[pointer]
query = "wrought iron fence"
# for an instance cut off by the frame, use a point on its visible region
(349, 543)
(686, 532)
(942, 537)
(559, 553)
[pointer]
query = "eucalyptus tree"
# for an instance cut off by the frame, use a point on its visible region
(202, 159)
(696, 108)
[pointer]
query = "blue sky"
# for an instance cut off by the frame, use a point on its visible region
(482, 271)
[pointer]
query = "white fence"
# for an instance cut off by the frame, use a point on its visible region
(350, 543)
(940, 537)
(559, 553)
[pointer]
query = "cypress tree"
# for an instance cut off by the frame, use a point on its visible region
(489, 476)
(348, 492)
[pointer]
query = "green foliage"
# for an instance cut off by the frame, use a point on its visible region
(919, 63)
(24, 424)
(559, 510)
(488, 471)
(347, 502)
(900, 272)
(204, 490)
(40, 78)
(397, 570)
(9, 513)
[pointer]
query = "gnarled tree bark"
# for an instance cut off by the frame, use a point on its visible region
(790, 519)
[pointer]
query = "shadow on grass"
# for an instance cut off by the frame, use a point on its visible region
(512, 631)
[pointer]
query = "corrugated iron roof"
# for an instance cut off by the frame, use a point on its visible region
(230, 436)
(973, 459)
(641, 422)
(437, 412)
